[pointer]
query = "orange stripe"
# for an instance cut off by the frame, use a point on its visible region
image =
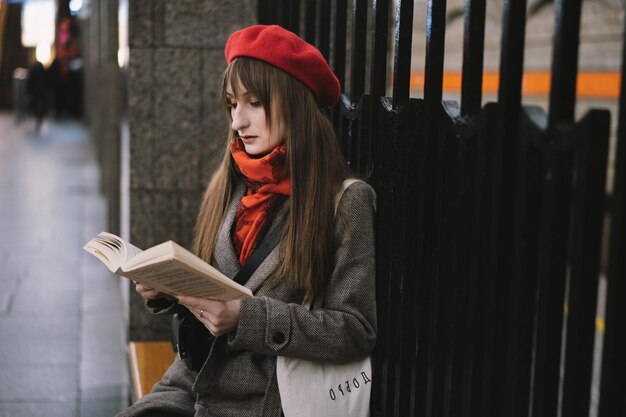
(589, 84)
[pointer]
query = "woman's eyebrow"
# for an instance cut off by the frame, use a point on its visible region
(242, 94)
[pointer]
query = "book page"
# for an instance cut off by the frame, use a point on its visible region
(175, 278)
(127, 250)
(108, 250)
(131, 251)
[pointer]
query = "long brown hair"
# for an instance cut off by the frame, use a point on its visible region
(315, 165)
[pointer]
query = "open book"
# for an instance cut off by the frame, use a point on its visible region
(167, 267)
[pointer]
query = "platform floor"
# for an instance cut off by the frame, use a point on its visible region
(62, 344)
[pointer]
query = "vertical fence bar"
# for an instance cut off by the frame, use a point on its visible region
(378, 80)
(512, 62)
(564, 61)
(339, 56)
(481, 372)
(382, 185)
(352, 126)
(339, 47)
(402, 52)
(435, 40)
(503, 176)
(455, 239)
(526, 237)
(613, 384)
(310, 21)
(273, 11)
(585, 244)
(425, 290)
(551, 279)
(415, 152)
(437, 337)
(429, 399)
(380, 13)
(359, 36)
(378, 71)
(294, 16)
(473, 48)
(552, 271)
(281, 12)
(521, 289)
(263, 9)
(324, 33)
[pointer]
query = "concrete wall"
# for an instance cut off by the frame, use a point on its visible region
(177, 127)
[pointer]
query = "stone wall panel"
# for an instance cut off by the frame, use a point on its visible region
(140, 85)
(177, 171)
(158, 22)
(140, 23)
(177, 82)
(201, 23)
(215, 121)
(178, 118)
(189, 206)
(142, 218)
(141, 154)
(166, 210)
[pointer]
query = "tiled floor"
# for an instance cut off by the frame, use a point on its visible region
(62, 333)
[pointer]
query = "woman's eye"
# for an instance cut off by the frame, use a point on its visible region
(254, 103)
(232, 104)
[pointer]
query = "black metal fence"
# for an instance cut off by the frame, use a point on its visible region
(489, 218)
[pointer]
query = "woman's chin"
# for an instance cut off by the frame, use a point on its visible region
(251, 150)
(255, 150)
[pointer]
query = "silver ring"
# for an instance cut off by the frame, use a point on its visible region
(201, 313)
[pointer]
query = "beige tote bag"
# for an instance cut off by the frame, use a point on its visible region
(312, 389)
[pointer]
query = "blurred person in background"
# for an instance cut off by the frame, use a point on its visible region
(38, 93)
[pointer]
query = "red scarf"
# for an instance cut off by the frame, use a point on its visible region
(266, 178)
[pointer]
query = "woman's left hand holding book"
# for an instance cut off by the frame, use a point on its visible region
(219, 317)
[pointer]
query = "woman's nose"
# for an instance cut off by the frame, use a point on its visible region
(239, 118)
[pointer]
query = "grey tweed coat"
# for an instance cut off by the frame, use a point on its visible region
(239, 375)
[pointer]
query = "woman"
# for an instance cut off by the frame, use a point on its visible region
(282, 169)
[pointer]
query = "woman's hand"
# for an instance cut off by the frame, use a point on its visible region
(219, 317)
(147, 292)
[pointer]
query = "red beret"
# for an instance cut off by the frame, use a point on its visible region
(290, 53)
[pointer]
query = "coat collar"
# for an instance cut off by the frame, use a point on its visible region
(224, 255)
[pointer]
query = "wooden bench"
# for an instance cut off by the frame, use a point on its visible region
(148, 363)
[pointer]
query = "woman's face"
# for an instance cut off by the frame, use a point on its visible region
(249, 121)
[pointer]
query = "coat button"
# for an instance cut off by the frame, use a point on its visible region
(278, 338)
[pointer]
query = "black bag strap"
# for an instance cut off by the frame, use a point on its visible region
(184, 347)
(260, 253)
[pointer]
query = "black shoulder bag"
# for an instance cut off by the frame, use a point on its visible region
(190, 339)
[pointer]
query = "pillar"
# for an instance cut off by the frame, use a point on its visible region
(177, 127)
